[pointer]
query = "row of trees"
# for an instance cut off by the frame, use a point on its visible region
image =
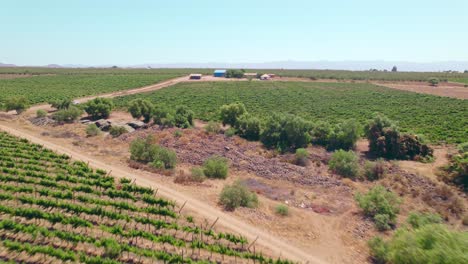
(182, 116)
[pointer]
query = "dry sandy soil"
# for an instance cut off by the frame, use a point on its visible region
(449, 89)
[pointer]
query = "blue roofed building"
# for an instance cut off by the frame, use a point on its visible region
(219, 73)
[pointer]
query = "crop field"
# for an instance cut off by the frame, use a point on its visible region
(368, 75)
(53, 208)
(439, 119)
(40, 89)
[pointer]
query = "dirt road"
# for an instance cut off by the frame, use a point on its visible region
(265, 239)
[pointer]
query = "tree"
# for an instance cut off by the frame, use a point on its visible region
(99, 108)
(141, 108)
(67, 115)
(433, 81)
(18, 103)
(344, 135)
(183, 117)
(61, 104)
(235, 73)
(249, 127)
(394, 69)
(231, 112)
(285, 132)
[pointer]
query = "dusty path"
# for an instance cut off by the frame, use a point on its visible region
(210, 213)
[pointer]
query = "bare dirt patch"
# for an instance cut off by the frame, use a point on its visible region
(5, 76)
(448, 89)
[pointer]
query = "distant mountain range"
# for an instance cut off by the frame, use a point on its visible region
(319, 65)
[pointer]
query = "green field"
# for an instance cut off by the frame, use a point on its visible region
(440, 119)
(62, 211)
(43, 88)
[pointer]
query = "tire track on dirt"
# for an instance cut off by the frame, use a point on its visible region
(283, 248)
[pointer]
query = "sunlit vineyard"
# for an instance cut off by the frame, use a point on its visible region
(55, 209)
(439, 119)
(44, 88)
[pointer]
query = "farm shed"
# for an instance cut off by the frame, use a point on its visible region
(250, 75)
(265, 77)
(195, 76)
(219, 73)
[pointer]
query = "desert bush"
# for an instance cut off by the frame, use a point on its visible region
(183, 117)
(248, 127)
(216, 167)
(301, 156)
(237, 195)
(344, 135)
(375, 170)
(428, 243)
(99, 108)
(41, 113)
(386, 141)
(380, 204)
(230, 132)
(164, 158)
(320, 133)
(147, 151)
(18, 103)
(344, 163)
(67, 115)
(117, 131)
(92, 130)
(282, 210)
(417, 220)
(141, 108)
(61, 104)
(433, 81)
(197, 173)
(159, 114)
(285, 132)
(212, 127)
(231, 112)
(178, 133)
(168, 121)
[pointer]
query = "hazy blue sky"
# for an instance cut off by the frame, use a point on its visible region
(136, 31)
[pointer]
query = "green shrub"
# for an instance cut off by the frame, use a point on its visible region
(381, 205)
(18, 103)
(141, 108)
(237, 195)
(212, 127)
(68, 115)
(99, 108)
(183, 117)
(375, 170)
(282, 210)
(41, 113)
(320, 133)
(159, 114)
(417, 220)
(231, 112)
(248, 127)
(430, 243)
(197, 173)
(344, 135)
(344, 163)
(61, 104)
(117, 131)
(216, 167)
(230, 132)
(147, 151)
(168, 121)
(92, 130)
(285, 132)
(301, 156)
(178, 133)
(433, 81)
